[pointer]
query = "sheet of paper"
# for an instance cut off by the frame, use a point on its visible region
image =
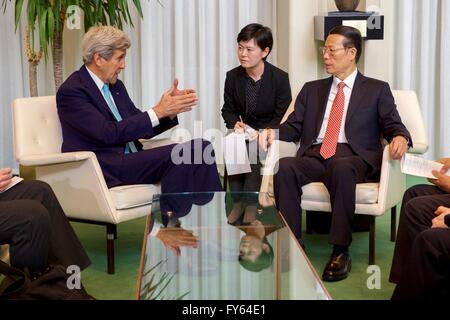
(14, 181)
(420, 167)
(236, 157)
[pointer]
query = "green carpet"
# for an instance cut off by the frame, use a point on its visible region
(122, 285)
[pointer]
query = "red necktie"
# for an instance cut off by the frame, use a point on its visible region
(330, 140)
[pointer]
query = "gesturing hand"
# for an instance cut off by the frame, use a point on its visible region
(174, 238)
(178, 92)
(175, 101)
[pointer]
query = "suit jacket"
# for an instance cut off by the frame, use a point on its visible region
(372, 113)
(273, 99)
(89, 125)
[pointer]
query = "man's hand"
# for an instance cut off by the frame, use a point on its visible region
(175, 101)
(439, 221)
(442, 181)
(5, 178)
(398, 147)
(266, 138)
(177, 92)
(239, 127)
(174, 238)
(446, 163)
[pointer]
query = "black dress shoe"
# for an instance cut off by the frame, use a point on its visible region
(337, 267)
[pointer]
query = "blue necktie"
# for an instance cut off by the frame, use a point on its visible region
(130, 147)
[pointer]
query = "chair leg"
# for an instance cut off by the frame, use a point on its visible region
(225, 179)
(115, 231)
(372, 241)
(308, 223)
(393, 223)
(111, 233)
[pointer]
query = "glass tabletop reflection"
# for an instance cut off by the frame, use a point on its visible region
(222, 246)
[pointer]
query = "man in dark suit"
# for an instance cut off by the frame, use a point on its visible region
(97, 114)
(34, 225)
(421, 263)
(339, 121)
(257, 95)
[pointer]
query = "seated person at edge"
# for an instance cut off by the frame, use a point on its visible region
(257, 95)
(339, 121)
(97, 115)
(34, 225)
(421, 263)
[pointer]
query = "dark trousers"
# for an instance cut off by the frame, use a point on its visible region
(34, 225)
(421, 255)
(426, 274)
(340, 174)
(186, 167)
(248, 182)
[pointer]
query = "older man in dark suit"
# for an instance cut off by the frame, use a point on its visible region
(97, 114)
(339, 121)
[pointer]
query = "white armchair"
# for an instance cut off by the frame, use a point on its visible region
(76, 177)
(372, 199)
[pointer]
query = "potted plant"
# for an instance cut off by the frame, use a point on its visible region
(49, 18)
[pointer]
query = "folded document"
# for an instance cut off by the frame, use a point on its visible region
(14, 181)
(420, 167)
(236, 156)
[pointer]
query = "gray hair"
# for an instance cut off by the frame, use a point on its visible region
(103, 40)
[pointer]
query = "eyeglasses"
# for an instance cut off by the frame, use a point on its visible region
(331, 51)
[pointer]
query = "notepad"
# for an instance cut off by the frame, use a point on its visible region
(14, 181)
(236, 156)
(420, 167)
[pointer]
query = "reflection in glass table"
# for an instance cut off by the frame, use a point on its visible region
(200, 246)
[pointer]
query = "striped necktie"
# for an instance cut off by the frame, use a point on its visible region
(329, 144)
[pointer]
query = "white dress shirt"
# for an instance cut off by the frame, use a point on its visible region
(349, 83)
(152, 115)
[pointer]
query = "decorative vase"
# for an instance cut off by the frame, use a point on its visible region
(346, 5)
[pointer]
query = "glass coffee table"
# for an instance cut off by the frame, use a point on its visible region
(223, 246)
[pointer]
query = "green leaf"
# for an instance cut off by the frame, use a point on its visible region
(43, 35)
(18, 11)
(31, 14)
(97, 11)
(112, 12)
(122, 12)
(137, 4)
(129, 16)
(50, 23)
